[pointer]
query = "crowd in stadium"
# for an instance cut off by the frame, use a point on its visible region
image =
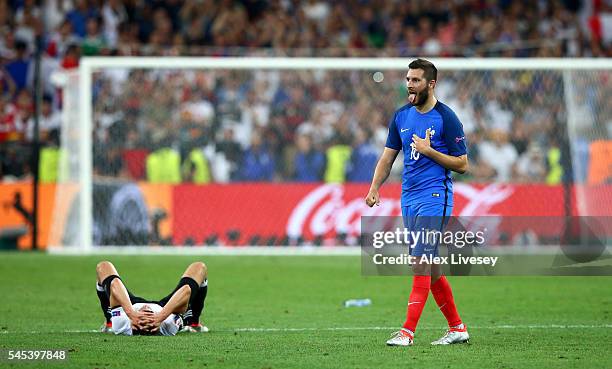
(229, 126)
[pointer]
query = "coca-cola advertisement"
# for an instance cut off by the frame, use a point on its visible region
(304, 214)
(330, 214)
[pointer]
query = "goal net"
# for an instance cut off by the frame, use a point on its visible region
(174, 152)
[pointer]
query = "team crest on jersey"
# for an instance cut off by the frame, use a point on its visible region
(459, 139)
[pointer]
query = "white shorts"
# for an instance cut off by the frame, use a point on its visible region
(122, 325)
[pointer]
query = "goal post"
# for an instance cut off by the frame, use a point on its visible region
(574, 78)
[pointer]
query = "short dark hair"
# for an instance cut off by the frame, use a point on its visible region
(430, 70)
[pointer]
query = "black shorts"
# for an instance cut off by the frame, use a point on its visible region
(137, 299)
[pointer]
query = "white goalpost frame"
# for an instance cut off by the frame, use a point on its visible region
(90, 65)
(86, 156)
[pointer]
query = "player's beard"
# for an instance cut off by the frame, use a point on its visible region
(420, 98)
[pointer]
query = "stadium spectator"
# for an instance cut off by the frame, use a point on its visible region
(9, 121)
(499, 154)
(363, 159)
(230, 94)
(309, 162)
(497, 112)
(27, 22)
(530, 166)
(20, 68)
(337, 158)
(327, 107)
(276, 136)
(54, 12)
(108, 161)
(553, 162)
(7, 86)
(79, 16)
(464, 108)
(254, 114)
(60, 39)
(164, 164)
(480, 172)
(319, 131)
(228, 157)
(50, 120)
(14, 163)
(71, 57)
(295, 110)
(94, 42)
(113, 14)
(197, 109)
(24, 105)
(195, 168)
(258, 163)
(50, 155)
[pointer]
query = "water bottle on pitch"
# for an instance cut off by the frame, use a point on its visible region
(357, 303)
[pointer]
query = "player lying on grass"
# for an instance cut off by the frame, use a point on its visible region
(128, 314)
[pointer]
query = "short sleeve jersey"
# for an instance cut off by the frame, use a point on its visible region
(424, 180)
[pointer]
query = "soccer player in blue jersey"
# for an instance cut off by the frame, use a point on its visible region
(433, 141)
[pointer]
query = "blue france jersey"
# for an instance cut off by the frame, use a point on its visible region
(424, 180)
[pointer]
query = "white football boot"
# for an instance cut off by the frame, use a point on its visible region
(195, 328)
(106, 328)
(401, 338)
(454, 335)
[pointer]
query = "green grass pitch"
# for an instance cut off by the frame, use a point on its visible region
(49, 302)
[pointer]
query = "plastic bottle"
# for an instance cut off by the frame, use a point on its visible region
(357, 303)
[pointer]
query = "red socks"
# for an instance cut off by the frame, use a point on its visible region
(441, 292)
(443, 295)
(417, 300)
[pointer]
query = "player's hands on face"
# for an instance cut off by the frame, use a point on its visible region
(422, 145)
(372, 198)
(156, 321)
(138, 320)
(144, 320)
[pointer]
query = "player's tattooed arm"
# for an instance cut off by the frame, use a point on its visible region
(383, 168)
(458, 164)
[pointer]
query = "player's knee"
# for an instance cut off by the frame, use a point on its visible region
(196, 271)
(104, 267)
(200, 269)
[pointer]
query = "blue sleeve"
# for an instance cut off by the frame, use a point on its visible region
(454, 138)
(394, 141)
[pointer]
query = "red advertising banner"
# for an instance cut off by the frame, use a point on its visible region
(263, 213)
(236, 213)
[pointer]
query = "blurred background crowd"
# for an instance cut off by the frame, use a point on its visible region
(222, 126)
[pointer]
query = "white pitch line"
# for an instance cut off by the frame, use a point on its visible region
(303, 329)
(532, 326)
